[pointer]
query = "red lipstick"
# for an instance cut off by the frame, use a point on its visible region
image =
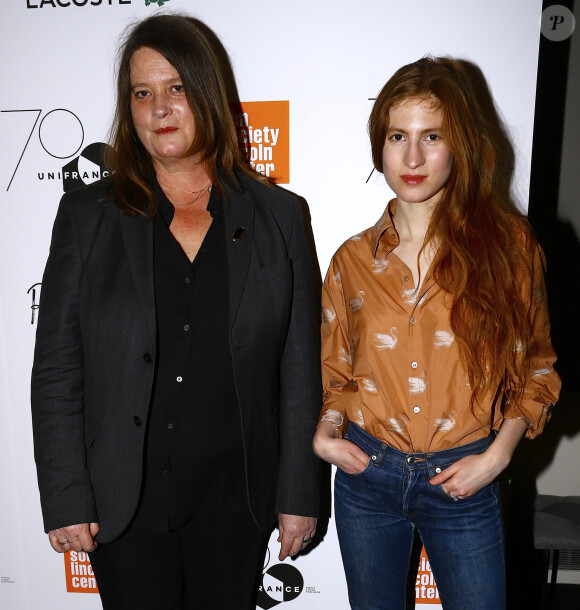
(165, 130)
(413, 179)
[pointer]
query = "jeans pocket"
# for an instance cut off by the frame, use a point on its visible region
(446, 494)
(491, 489)
(495, 491)
(359, 474)
(366, 451)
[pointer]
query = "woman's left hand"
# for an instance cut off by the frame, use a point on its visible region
(473, 472)
(468, 475)
(295, 533)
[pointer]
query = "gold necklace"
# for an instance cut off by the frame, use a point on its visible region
(205, 188)
(199, 194)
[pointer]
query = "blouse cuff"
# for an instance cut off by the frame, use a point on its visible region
(337, 417)
(535, 421)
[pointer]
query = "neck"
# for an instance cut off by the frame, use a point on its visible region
(190, 177)
(412, 219)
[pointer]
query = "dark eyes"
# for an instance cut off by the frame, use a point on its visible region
(399, 137)
(143, 93)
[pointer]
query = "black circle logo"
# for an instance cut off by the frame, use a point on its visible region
(280, 583)
(88, 167)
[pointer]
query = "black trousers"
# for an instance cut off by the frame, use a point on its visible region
(213, 562)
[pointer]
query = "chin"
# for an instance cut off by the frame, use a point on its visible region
(413, 196)
(172, 153)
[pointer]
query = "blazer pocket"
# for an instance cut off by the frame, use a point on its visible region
(266, 274)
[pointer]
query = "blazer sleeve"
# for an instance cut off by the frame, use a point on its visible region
(57, 384)
(300, 386)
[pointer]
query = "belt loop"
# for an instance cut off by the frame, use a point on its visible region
(377, 456)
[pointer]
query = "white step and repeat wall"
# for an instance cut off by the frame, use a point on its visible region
(323, 62)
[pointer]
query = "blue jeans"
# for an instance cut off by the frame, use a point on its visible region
(378, 509)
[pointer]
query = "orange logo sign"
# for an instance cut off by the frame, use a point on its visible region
(79, 573)
(264, 135)
(425, 588)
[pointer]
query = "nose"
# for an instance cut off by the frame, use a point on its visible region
(161, 106)
(414, 155)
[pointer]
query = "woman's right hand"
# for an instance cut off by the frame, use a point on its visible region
(343, 453)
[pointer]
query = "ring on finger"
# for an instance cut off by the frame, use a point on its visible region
(64, 543)
(307, 540)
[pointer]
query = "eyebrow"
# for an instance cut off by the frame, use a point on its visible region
(166, 82)
(399, 130)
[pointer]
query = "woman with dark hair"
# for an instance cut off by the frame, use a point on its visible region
(174, 388)
(436, 353)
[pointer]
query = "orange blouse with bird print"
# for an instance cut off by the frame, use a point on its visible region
(390, 362)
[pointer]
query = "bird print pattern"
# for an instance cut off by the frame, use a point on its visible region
(386, 340)
(391, 362)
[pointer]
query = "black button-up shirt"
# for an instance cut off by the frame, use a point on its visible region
(194, 455)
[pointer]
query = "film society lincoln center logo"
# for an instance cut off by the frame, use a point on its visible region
(426, 591)
(264, 136)
(79, 573)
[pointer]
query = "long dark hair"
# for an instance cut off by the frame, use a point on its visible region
(184, 45)
(484, 242)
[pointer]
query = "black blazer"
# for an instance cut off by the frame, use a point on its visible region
(95, 356)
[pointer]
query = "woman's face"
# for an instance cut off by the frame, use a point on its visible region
(416, 160)
(161, 114)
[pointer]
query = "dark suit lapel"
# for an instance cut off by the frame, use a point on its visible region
(138, 241)
(239, 228)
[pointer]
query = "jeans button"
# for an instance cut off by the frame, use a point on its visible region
(437, 470)
(410, 460)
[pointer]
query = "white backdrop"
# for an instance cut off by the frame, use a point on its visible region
(326, 58)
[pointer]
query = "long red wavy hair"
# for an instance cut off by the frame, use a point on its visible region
(483, 241)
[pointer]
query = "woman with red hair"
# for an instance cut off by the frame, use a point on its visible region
(436, 354)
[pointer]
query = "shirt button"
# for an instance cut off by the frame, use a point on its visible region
(405, 278)
(179, 379)
(147, 358)
(164, 471)
(137, 420)
(186, 327)
(187, 280)
(412, 320)
(170, 426)
(414, 365)
(416, 409)
(384, 248)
